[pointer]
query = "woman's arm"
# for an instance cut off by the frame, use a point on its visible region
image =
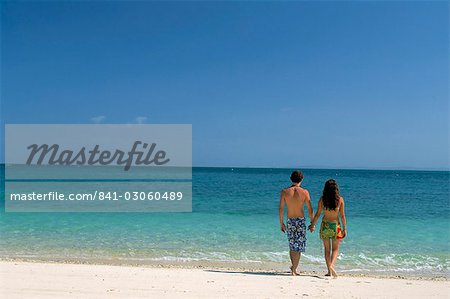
(316, 217)
(342, 213)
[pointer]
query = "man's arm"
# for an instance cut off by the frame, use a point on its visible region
(309, 206)
(281, 212)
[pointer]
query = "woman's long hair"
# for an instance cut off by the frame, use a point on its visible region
(330, 195)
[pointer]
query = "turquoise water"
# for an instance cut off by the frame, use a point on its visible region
(398, 222)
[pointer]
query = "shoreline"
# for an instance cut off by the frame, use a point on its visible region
(270, 267)
(57, 280)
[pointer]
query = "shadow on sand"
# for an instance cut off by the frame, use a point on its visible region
(264, 273)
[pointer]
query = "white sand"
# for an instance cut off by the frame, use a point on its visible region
(47, 280)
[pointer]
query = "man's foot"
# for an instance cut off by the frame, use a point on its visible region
(333, 272)
(293, 273)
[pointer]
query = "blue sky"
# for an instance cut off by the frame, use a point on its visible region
(264, 84)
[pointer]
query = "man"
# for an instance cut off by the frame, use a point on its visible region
(295, 198)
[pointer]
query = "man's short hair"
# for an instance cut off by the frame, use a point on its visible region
(296, 176)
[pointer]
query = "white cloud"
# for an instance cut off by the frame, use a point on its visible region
(98, 119)
(141, 119)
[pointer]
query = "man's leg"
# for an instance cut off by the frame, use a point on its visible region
(295, 259)
(334, 255)
(326, 249)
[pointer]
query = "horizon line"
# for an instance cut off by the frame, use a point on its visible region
(333, 168)
(322, 168)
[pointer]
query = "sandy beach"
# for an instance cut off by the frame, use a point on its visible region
(50, 280)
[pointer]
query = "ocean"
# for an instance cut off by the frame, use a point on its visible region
(397, 222)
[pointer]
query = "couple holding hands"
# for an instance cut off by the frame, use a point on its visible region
(331, 204)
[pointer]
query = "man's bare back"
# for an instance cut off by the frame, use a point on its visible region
(295, 198)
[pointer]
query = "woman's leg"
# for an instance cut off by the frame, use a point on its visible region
(326, 248)
(334, 255)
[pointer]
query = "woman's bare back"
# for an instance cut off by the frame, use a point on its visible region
(332, 215)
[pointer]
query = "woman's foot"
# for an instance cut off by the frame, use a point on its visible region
(328, 274)
(333, 272)
(293, 273)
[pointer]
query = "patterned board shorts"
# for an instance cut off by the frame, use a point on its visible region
(296, 233)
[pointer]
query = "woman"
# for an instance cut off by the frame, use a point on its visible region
(332, 205)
